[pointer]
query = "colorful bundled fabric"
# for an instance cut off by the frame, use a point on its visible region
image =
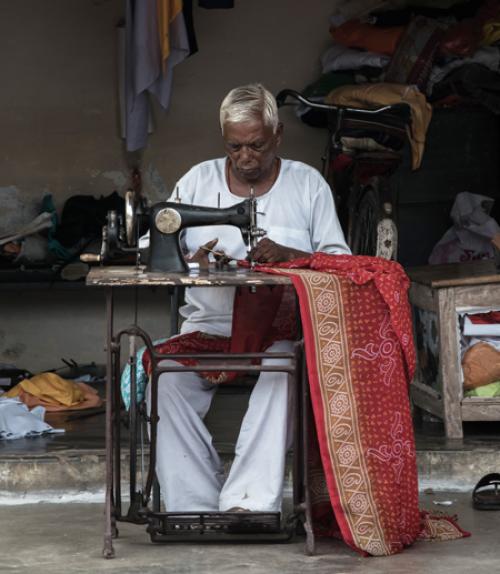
(357, 34)
(356, 323)
(55, 393)
(412, 62)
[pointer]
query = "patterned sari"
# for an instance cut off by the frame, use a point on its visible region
(356, 322)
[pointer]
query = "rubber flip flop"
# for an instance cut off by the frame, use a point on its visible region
(486, 493)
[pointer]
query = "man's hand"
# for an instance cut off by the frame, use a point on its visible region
(201, 256)
(267, 251)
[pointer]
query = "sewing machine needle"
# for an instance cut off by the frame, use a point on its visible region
(217, 253)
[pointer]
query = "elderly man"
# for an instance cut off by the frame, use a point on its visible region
(298, 214)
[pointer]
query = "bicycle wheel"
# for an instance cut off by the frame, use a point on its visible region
(364, 223)
(373, 229)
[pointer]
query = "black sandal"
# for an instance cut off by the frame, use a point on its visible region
(486, 493)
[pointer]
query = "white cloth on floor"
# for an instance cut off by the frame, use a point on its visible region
(17, 421)
(188, 467)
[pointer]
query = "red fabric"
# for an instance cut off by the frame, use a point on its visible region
(360, 358)
(390, 281)
(262, 317)
(491, 318)
(268, 316)
(196, 342)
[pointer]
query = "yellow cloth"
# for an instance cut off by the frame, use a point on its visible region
(491, 32)
(375, 95)
(168, 10)
(51, 388)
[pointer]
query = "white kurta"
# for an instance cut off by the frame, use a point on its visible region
(297, 212)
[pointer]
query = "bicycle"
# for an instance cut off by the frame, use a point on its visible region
(360, 180)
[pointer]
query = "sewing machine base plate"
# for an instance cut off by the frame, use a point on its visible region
(217, 527)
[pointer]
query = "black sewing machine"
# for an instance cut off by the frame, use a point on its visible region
(165, 221)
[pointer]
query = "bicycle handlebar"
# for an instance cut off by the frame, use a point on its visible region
(284, 94)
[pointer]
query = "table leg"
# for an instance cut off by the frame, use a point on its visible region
(450, 369)
(306, 422)
(108, 550)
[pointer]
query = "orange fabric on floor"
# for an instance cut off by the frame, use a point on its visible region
(55, 393)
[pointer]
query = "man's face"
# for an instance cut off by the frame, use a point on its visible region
(251, 147)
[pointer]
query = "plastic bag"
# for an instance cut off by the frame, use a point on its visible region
(471, 236)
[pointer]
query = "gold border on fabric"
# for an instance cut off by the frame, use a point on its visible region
(346, 451)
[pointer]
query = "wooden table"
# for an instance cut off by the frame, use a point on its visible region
(439, 293)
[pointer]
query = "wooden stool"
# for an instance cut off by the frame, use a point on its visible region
(438, 294)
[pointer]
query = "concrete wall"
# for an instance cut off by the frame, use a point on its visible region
(59, 134)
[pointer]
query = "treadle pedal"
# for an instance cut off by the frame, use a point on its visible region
(213, 525)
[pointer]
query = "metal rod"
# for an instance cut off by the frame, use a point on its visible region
(174, 308)
(117, 431)
(133, 423)
(217, 356)
(226, 367)
(108, 551)
(153, 434)
(297, 430)
(306, 414)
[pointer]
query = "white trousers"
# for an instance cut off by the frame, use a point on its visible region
(188, 467)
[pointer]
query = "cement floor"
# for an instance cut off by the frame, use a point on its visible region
(67, 539)
(71, 467)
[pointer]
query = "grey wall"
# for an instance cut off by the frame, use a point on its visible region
(59, 131)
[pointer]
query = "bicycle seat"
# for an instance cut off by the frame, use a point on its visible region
(393, 114)
(385, 124)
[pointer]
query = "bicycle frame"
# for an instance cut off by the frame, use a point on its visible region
(360, 181)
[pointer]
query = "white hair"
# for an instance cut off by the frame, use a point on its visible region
(246, 103)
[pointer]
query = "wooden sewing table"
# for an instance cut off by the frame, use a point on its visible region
(210, 524)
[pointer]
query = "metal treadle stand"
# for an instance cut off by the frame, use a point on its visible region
(144, 505)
